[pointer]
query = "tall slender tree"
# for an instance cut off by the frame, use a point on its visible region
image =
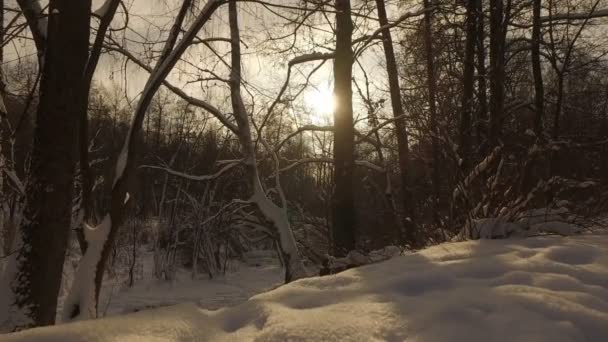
(468, 78)
(344, 136)
(432, 101)
(539, 92)
(480, 51)
(497, 70)
(400, 125)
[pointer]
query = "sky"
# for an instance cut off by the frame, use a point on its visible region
(264, 70)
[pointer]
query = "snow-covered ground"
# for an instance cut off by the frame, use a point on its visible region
(261, 272)
(537, 289)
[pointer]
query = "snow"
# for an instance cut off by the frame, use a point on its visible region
(103, 10)
(243, 280)
(547, 288)
(278, 216)
(82, 292)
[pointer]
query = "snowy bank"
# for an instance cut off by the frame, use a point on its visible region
(539, 289)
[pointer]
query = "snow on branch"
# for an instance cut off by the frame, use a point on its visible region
(315, 56)
(15, 180)
(37, 22)
(303, 161)
(177, 91)
(479, 168)
(227, 167)
(103, 10)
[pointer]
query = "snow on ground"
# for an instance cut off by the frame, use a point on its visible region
(261, 272)
(537, 289)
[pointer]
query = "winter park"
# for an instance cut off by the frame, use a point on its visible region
(304, 170)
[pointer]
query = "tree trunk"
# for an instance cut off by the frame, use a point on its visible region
(527, 178)
(468, 85)
(48, 209)
(294, 269)
(539, 92)
(82, 300)
(86, 175)
(497, 70)
(432, 99)
(400, 127)
(36, 21)
(344, 138)
(482, 112)
(3, 113)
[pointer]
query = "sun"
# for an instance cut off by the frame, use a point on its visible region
(321, 102)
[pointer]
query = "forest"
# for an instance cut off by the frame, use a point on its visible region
(265, 169)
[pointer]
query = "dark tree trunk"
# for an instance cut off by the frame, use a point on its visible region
(497, 70)
(528, 179)
(468, 85)
(482, 112)
(344, 155)
(432, 99)
(400, 127)
(539, 92)
(48, 208)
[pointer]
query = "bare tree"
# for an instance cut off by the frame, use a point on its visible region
(82, 300)
(482, 112)
(539, 92)
(466, 107)
(47, 213)
(294, 268)
(344, 137)
(432, 101)
(497, 69)
(400, 126)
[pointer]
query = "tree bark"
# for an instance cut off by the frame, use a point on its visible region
(432, 100)
(125, 168)
(32, 11)
(468, 85)
(294, 269)
(343, 207)
(482, 112)
(497, 70)
(409, 235)
(539, 92)
(83, 144)
(48, 209)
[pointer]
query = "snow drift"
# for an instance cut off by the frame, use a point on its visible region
(539, 289)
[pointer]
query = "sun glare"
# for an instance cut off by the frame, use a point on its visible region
(321, 103)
